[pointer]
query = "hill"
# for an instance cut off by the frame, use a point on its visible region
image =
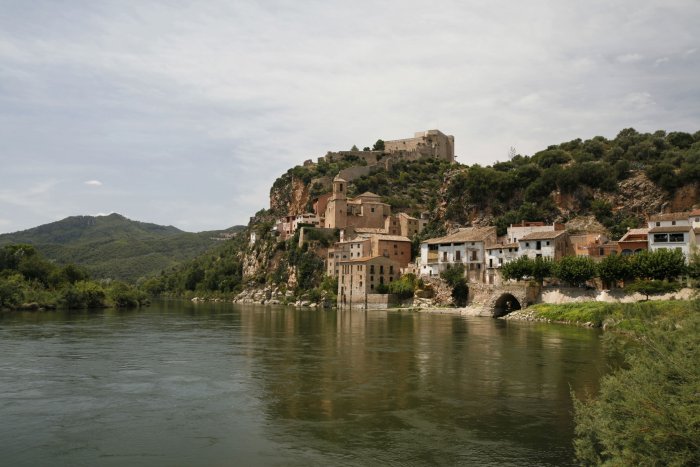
(597, 184)
(115, 247)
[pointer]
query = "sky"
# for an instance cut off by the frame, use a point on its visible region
(185, 112)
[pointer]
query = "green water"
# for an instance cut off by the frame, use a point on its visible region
(185, 384)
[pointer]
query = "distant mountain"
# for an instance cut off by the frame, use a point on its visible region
(116, 247)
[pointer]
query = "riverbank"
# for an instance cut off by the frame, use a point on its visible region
(618, 316)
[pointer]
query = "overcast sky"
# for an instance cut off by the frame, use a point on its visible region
(184, 112)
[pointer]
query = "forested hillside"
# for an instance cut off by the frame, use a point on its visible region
(113, 246)
(618, 182)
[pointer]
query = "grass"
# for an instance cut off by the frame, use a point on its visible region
(632, 317)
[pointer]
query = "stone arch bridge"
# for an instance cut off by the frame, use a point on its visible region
(499, 300)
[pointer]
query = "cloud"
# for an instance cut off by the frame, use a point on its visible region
(204, 104)
(629, 58)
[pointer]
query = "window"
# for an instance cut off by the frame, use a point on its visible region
(391, 269)
(458, 255)
(547, 242)
(527, 244)
(444, 256)
(660, 238)
(676, 237)
(371, 268)
(500, 260)
(673, 222)
(601, 251)
(381, 269)
(658, 224)
(372, 209)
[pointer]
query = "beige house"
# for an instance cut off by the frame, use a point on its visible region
(359, 281)
(394, 247)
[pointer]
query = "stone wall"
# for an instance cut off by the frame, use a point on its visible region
(559, 295)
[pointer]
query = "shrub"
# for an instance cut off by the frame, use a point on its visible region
(646, 414)
(575, 270)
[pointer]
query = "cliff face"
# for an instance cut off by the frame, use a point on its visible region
(289, 196)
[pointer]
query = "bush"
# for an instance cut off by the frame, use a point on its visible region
(647, 414)
(404, 287)
(575, 270)
(83, 294)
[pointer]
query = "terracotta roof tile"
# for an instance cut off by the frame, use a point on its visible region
(543, 235)
(469, 234)
(673, 228)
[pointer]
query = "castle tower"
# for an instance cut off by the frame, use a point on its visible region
(337, 208)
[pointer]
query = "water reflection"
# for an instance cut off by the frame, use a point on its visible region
(204, 384)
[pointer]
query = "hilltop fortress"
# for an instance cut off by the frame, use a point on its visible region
(424, 144)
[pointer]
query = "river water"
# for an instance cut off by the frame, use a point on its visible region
(222, 384)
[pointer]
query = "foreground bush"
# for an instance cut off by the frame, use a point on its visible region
(647, 414)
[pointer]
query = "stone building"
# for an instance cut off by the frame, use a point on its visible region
(359, 281)
(554, 245)
(431, 143)
(466, 246)
(365, 210)
(394, 247)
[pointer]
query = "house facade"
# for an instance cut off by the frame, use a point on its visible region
(466, 246)
(673, 231)
(553, 245)
(359, 281)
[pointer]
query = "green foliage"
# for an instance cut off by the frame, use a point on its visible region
(378, 146)
(460, 293)
(574, 270)
(110, 246)
(615, 268)
(407, 185)
(11, 291)
(453, 274)
(668, 264)
(382, 289)
(404, 287)
(124, 295)
(647, 413)
(526, 268)
(84, 294)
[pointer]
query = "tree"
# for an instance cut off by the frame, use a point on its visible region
(404, 287)
(575, 270)
(454, 276)
(651, 287)
(541, 269)
(378, 146)
(354, 148)
(614, 268)
(647, 413)
(453, 273)
(518, 269)
(661, 264)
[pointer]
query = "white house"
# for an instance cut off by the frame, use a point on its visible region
(674, 230)
(466, 246)
(554, 244)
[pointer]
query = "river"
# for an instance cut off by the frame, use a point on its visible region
(221, 384)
